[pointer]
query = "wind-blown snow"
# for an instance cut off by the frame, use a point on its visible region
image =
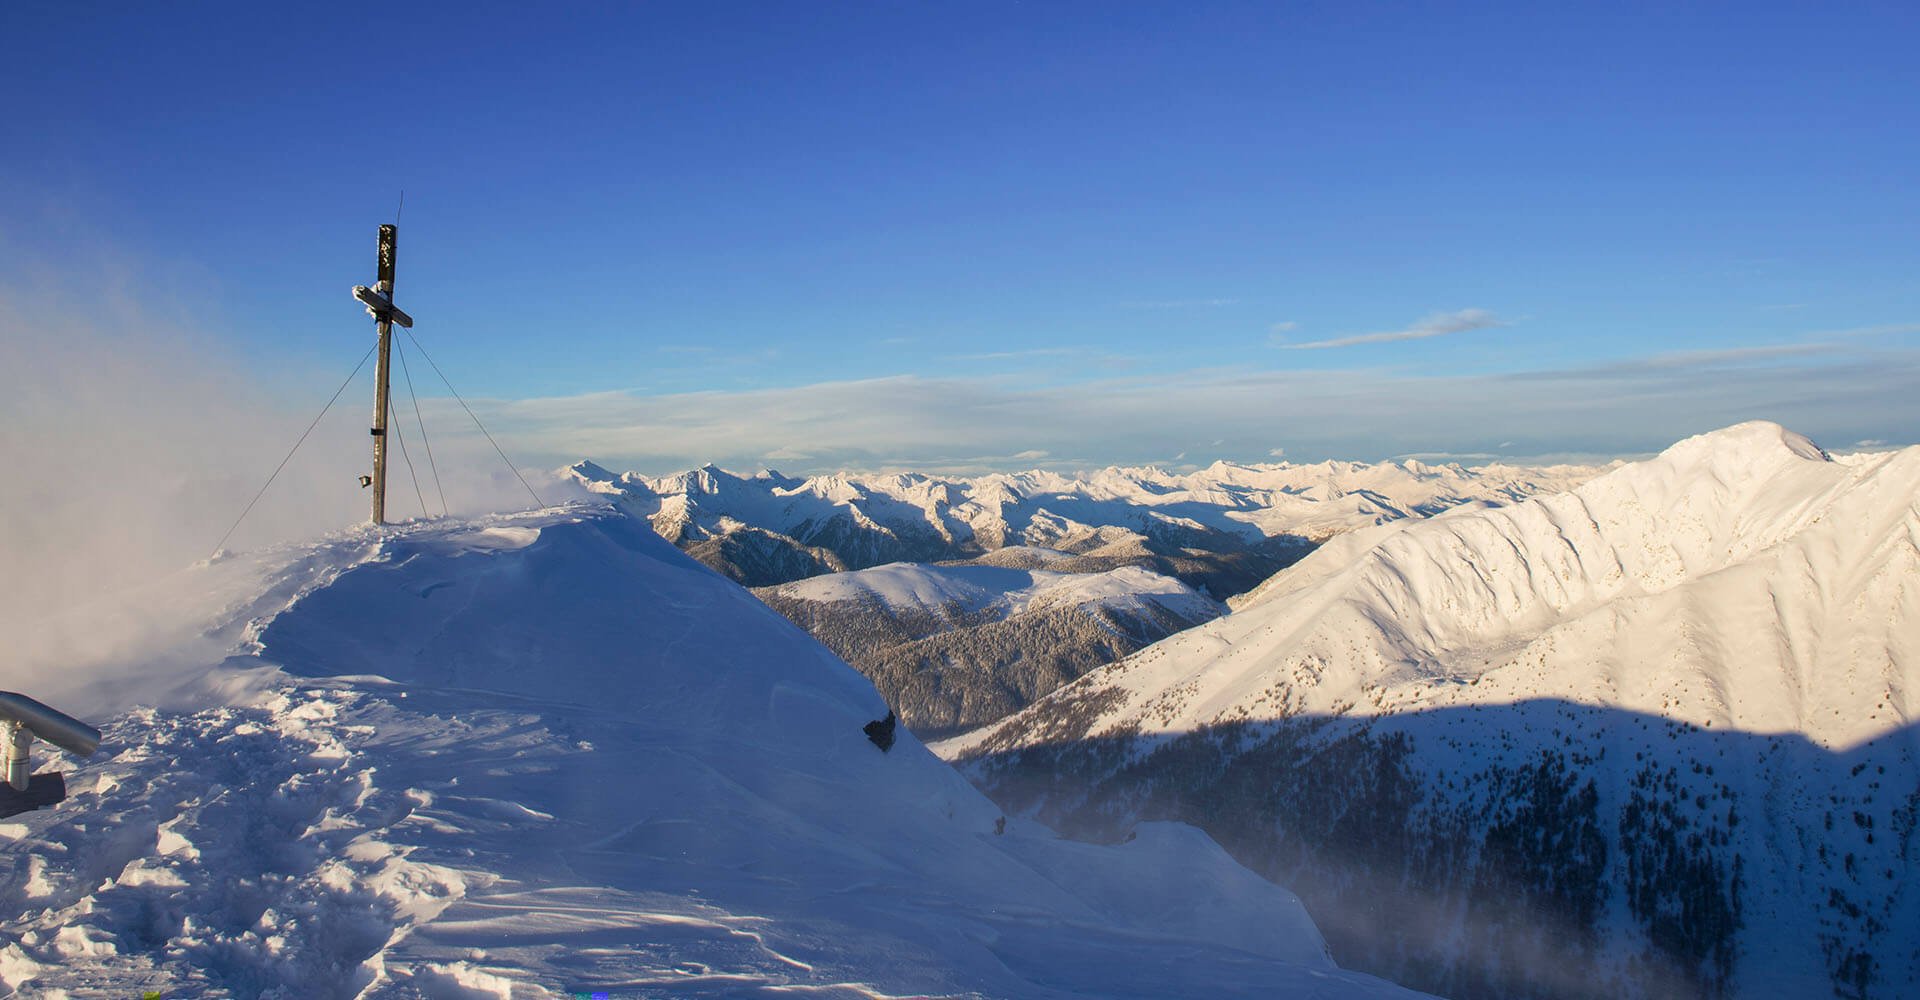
(536, 754)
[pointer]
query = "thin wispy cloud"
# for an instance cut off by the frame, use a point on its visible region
(1687, 360)
(1861, 332)
(1035, 352)
(1734, 355)
(1436, 325)
(1180, 304)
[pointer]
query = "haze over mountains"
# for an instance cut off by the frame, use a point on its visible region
(1652, 736)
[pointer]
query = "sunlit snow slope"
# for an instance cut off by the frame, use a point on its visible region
(542, 754)
(1663, 723)
(1740, 579)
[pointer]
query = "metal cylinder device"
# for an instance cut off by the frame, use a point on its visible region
(19, 750)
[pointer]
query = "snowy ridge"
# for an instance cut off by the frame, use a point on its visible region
(1004, 592)
(1701, 667)
(542, 753)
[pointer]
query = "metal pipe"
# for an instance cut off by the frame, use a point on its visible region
(50, 724)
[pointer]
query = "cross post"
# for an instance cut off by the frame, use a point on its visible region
(379, 303)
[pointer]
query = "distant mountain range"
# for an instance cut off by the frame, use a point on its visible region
(1224, 528)
(1650, 737)
(966, 599)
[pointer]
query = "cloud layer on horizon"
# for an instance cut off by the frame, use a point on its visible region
(969, 425)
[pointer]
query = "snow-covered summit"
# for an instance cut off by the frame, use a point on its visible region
(537, 754)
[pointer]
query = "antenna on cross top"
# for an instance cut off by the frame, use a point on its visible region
(379, 303)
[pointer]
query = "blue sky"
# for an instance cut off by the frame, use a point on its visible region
(985, 235)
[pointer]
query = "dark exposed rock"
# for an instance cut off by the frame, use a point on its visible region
(880, 731)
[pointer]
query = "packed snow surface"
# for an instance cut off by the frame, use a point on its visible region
(541, 754)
